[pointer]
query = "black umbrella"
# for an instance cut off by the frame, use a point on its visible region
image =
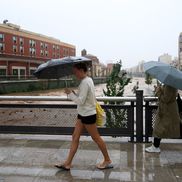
(57, 68)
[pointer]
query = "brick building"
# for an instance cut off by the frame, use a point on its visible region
(21, 51)
(98, 69)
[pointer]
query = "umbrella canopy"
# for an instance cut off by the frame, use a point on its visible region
(57, 68)
(165, 73)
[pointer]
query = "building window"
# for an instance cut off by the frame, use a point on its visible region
(2, 71)
(14, 39)
(1, 47)
(15, 72)
(54, 47)
(19, 72)
(42, 45)
(21, 49)
(15, 49)
(32, 70)
(46, 53)
(46, 46)
(41, 52)
(1, 37)
(21, 41)
(65, 52)
(32, 43)
(22, 72)
(32, 51)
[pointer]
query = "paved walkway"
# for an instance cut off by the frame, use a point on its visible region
(30, 158)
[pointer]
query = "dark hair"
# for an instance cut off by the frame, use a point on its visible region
(81, 66)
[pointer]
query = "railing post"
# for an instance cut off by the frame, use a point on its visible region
(132, 122)
(146, 121)
(139, 115)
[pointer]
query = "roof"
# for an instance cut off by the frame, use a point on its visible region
(16, 29)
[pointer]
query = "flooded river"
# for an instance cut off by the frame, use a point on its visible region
(147, 89)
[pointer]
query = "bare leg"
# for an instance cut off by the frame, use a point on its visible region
(74, 143)
(92, 130)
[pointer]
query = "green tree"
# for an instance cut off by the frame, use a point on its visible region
(115, 85)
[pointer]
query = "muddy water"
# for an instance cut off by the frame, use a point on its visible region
(58, 92)
(147, 89)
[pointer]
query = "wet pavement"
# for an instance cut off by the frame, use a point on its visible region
(31, 158)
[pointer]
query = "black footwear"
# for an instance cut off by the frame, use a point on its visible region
(60, 166)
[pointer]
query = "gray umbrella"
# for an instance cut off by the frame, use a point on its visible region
(165, 73)
(57, 68)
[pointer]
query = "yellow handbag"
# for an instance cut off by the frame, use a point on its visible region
(100, 115)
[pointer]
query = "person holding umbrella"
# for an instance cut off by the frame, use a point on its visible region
(86, 119)
(167, 123)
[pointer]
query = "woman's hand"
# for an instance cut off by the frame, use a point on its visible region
(157, 89)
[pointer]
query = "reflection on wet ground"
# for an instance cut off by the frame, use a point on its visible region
(30, 158)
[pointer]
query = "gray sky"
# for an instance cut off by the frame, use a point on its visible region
(130, 30)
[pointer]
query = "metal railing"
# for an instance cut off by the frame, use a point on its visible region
(57, 115)
(33, 114)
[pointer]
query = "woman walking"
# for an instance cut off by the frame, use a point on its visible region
(86, 119)
(167, 123)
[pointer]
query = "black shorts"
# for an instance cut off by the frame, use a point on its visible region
(87, 119)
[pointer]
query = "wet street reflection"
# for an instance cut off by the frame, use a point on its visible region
(31, 158)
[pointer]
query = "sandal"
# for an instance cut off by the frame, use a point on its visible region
(107, 166)
(60, 166)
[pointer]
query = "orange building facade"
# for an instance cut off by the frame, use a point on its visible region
(21, 51)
